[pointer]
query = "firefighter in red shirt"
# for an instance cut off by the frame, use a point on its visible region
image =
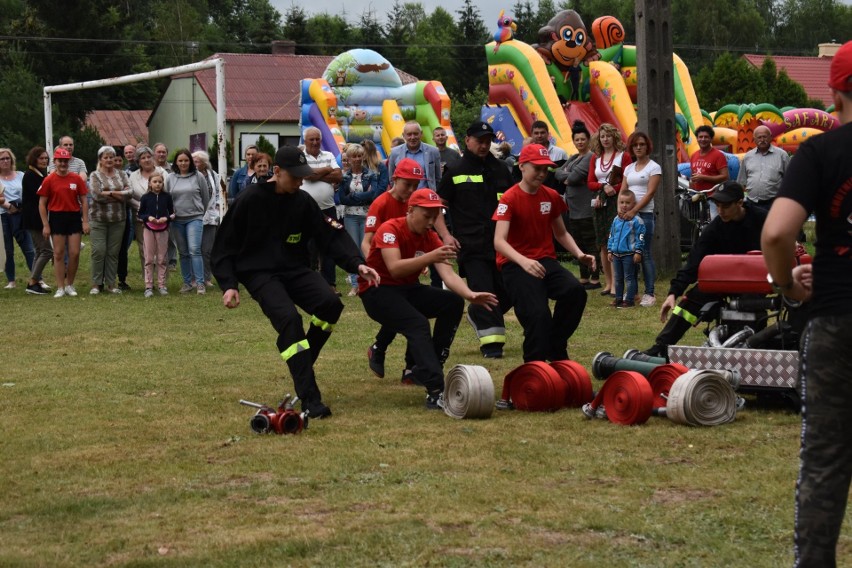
(400, 250)
(529, 217)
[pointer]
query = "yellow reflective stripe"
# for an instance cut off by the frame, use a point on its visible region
(464, 178)
(499, 196)
(485, 340)
(323, 325)
(691, 318)
(295, 349)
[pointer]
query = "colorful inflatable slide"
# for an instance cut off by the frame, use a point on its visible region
(568, 77)
(361, 96)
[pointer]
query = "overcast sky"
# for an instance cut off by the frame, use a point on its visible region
(488, 10)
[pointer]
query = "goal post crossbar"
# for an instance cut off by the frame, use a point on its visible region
(218, 64)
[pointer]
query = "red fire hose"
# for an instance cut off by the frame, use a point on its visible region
(627, 398)
(578, 383)
(662, 378)
(539, 387)
(536, 387)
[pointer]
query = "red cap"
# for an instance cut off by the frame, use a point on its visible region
(535, 154)
(841, 69)
(61, 154)
(425, 198)
(408, 169)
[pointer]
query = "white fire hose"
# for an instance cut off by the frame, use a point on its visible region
(703, 397)
(468, 392)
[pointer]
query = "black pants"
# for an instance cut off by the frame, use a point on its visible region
(583, 231)
(482, 275)
(684, 316)
(278, 295)
(126, 239)
(407, 310)
(545, 334)
(322, 262)
(825, 466)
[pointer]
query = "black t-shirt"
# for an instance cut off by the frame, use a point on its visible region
(819, 178)
(719, 237)
(268, 232)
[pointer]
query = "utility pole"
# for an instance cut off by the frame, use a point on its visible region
(656, 117)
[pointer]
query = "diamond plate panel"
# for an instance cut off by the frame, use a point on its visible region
(757, 367)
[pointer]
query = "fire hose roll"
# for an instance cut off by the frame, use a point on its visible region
(469, 392)
(578, 383)
(627, 398)
(535, 387)
(662, 378)
(702, 398)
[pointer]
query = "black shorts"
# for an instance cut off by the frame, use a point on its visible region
(65, 222)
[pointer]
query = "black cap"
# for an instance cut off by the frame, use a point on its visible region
(293, 160)
(728, 192)
(479, 129)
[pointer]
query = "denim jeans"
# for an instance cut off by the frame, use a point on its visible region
(188, 234)
(13, 229)
(355, 225)
(625, 276)
(649, 271)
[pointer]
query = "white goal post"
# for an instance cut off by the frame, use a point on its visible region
(218, 63)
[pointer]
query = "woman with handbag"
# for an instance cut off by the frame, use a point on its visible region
(605, 177)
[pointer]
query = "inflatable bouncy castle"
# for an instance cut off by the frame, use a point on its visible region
(574, 72)
(588, 73)
(360, 95)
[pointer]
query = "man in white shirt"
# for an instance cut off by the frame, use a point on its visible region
(76, 165)
(321, 186)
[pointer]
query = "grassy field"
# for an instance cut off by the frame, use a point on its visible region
(123, 445)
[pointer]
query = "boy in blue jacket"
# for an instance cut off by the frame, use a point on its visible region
(625, 247)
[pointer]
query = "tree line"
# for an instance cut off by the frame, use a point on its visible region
(44, 43)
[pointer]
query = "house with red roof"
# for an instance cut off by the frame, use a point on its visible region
(810, 72)
(120, 127)
(261, 98)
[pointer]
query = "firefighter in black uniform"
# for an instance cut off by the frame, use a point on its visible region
(471, 187)
(263, 244)
(736, 230)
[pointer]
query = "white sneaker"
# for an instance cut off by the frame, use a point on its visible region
(94, 291)
(164, 291)
(70, 291)
(149, 293)
(59, 293)
(11, 285)
(647, 301)
(201, 290)
(186, 288)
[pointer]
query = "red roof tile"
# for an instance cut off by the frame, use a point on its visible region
(120, 127)
(264, 87)
(810, 72)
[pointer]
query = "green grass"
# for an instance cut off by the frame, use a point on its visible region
(123, 445)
